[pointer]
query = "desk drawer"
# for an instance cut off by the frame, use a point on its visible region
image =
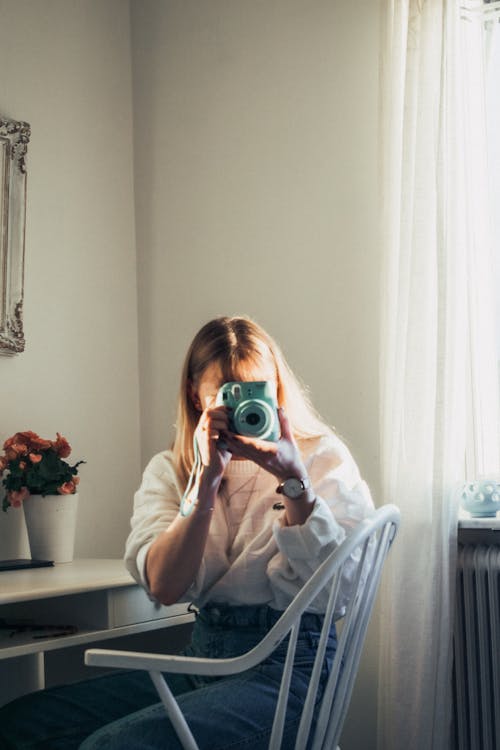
(131, 605)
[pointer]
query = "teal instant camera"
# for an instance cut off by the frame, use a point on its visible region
(252, 409)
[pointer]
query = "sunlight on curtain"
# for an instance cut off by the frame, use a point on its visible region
(438, 361)
(478, 50)
(493, 117)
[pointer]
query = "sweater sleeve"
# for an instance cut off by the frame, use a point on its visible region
(342, 501)
(156, 504)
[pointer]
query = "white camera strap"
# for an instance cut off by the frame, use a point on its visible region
(187, 505)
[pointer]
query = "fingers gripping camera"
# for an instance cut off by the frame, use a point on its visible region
(252, 409)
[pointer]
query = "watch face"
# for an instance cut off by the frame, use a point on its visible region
(293, 488)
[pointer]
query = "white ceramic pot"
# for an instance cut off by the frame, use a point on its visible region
(482, 498)
(51, 525)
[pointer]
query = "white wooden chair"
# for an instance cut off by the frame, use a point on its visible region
(373, 537)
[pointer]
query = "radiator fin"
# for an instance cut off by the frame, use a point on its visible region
(477, 648)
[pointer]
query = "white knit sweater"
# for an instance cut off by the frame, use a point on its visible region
(251, 556)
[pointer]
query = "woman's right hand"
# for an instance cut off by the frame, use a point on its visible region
(213, 421)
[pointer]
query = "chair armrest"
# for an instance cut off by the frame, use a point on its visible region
(101, 657)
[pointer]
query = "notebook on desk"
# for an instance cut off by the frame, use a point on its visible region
(21, 564)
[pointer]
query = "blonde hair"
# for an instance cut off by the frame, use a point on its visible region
(237, 345)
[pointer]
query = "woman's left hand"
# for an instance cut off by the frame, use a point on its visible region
(282, 459)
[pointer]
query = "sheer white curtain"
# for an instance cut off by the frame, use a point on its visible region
(438, 364)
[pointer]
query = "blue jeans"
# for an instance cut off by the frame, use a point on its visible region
(122, 710)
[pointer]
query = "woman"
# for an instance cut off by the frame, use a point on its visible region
(259, 517)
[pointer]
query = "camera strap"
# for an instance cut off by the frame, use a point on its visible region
(187, 505)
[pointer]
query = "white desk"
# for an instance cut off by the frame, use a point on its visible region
(98, 597)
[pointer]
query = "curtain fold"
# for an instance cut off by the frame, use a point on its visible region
(438, 366)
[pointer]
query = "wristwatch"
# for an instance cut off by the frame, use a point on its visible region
(293, 488)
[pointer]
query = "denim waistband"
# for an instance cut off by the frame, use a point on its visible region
(255, 616)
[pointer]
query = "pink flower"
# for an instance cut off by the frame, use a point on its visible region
(61, 446)
(35, 442)
(24, 438)
(15, 450)
(35, 458)
(68, 488)
(10, 441)
(15, 498)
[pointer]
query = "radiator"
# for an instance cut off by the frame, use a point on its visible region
(477, 648)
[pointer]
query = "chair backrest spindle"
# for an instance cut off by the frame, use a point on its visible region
(338, 691)
(279, 716)
(312, 691)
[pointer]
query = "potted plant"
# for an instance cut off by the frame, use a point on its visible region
(36, 476)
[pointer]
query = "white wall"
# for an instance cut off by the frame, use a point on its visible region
(255, 148)
(66, 70)
(255, 158)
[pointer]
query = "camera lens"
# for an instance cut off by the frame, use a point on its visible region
(253, 418)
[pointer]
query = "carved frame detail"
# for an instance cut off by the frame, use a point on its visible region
(14, 139)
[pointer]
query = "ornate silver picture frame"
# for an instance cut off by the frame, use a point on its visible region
(14, 138)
